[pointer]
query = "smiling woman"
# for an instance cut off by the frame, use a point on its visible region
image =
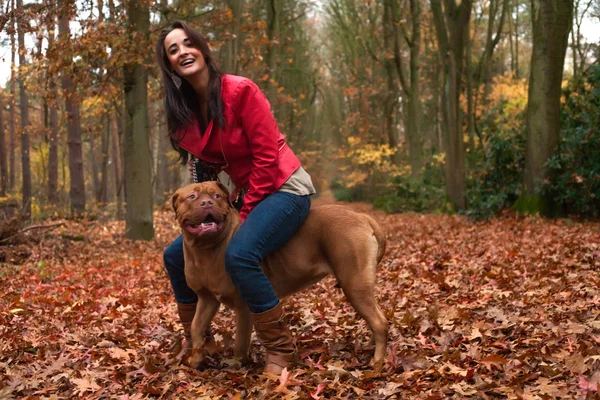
(226, 122)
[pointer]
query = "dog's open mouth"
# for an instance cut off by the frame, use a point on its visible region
(209, 225)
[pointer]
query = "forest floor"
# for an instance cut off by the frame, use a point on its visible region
(507, 308)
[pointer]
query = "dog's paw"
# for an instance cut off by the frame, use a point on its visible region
(197, 358)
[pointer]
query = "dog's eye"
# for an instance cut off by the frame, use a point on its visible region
(192, 196)
(217, 196)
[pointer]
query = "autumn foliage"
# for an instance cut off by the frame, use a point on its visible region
(506, 308)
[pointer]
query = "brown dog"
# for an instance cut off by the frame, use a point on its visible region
(333, 239)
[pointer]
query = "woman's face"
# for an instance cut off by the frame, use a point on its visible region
(185, 59)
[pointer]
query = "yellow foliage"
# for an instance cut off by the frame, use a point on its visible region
(440, 158)
(94, 106)
(363, 160)
(512, 95)
(506, 88)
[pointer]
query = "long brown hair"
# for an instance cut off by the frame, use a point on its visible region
(182, 103)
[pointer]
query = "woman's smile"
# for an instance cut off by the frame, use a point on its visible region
(185, 58)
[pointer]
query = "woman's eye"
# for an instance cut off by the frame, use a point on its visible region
(192, 196)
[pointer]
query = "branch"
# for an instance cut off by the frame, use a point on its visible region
(31, 227)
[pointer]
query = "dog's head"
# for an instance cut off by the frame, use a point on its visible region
(202, 209)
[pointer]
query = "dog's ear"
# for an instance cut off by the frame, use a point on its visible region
(174, 202)
(226, 191)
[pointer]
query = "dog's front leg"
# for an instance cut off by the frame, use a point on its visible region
(243, 333)
(205, 311)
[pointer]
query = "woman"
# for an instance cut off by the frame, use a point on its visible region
(226, 121)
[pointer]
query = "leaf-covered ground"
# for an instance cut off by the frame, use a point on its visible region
(508, 308)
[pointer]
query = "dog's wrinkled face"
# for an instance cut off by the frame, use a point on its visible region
(202, 208)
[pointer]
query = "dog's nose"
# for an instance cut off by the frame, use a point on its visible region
(206, 203)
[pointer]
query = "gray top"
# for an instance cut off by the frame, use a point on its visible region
(299, 183)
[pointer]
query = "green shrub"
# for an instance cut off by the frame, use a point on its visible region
(496, 171)
(575, 168)
(425, 194)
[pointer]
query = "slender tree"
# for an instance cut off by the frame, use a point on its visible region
(3, 163)
(77, 187)
(452, 28)
(578, 49)
(411, 86)
(24, 105)
(138, 165)
(551, 21)
(105, 157)
(12, 148)
(53, 127)
(230, 51)
(391, 100)
(273, 18)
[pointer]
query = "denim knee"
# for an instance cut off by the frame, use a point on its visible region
(175, 266)
(170, 259)
(238, 258)
(231, 262)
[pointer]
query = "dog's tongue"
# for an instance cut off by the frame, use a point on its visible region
(203, 228)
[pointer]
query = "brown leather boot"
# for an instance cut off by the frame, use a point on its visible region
(274, 334)
(186, 316)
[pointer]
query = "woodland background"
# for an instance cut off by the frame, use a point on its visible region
(413, 105)
(437, 117)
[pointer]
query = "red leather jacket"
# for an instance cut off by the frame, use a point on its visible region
(250, 149)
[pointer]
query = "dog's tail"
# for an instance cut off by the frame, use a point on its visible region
(380, 236)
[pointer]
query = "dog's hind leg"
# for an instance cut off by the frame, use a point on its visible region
(355, 271)
(360, 295)
(243, 333)
(205, 311)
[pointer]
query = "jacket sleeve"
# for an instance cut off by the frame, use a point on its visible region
(259, 126)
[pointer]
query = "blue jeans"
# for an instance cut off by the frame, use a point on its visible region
(270, 224)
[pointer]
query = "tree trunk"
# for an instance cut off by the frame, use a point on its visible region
(230, 49)
(551, 26)
(3, 163)
(77, 182)
(138, 167)
(53, 127)
(470, 97)
(273, 34)
(452, 28)
(516, 25)
(391, 99)
(24, 100)
(491, 41)
(510, 37)
(103, 198)
(574, 46)
(414, 96)
(94, 165)
(53, 147)
(12, 148)
(411, 88)
(117, 165)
